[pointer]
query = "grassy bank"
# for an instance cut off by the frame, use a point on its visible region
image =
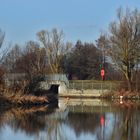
(23, 100)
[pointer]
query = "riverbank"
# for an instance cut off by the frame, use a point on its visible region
(79, 95)
(23, 100)
(100, 94)
(32, 100)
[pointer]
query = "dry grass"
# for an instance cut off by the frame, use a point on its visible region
(23, 100)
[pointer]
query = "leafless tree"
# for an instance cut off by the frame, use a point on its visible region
(55, 48)
(2, 52)
(11, 57)
(32, 60)
(125, 42)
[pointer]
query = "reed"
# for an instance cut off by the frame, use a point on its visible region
(23, 100)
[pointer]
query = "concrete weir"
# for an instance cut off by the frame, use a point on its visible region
(61, 89)
(54, 86)
(56, 83)
(59, 84)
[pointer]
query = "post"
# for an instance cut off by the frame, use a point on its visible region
(102, 87)
(102, 73)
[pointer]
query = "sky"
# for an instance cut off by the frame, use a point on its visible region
(81, 20)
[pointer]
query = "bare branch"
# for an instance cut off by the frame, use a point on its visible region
(125, 41)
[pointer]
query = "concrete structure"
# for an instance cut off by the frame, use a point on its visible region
(58, 84)
(46, 85)
(58, 80)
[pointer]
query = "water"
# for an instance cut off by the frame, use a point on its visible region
(79, 120)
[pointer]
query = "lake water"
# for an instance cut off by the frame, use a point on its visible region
(79, 120)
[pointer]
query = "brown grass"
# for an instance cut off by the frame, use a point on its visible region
(23, 100)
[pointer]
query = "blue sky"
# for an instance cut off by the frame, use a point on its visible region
(79, 19)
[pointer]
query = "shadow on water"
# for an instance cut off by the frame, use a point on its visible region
(103, 121)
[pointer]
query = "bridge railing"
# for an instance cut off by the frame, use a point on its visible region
(95, 85)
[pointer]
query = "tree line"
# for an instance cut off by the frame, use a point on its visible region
(117, 51)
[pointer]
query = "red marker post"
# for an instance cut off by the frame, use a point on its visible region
(102, 121)
(102, 73)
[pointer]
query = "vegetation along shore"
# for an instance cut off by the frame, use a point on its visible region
(108, 68)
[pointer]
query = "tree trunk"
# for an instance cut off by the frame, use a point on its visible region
(129, 74)
(129, 85)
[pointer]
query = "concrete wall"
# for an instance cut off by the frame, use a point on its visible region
(46, 85)
(62, 88)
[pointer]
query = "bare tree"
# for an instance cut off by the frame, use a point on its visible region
(11, 57)
(125, 42)
(2, 52)
(102, 44)
(32, 60)
(55, 48)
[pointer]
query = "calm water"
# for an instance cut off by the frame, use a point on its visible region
(80, 120)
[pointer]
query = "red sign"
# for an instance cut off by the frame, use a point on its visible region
(102, 72)
(102, 121)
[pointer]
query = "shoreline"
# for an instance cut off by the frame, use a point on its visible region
(31, 100)
(71, 95)
(105, 95)
(24, 100)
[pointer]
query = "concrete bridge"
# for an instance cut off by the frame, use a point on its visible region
(55, 83)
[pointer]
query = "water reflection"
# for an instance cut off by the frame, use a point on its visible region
(78, 122)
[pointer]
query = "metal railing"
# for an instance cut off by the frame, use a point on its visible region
(93, 85)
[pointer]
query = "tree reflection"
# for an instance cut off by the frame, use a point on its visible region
(121, 124)
(83, 122)
(25, 119)
(125, 125)
(34, 121)
(50, 124)
(129, 126)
